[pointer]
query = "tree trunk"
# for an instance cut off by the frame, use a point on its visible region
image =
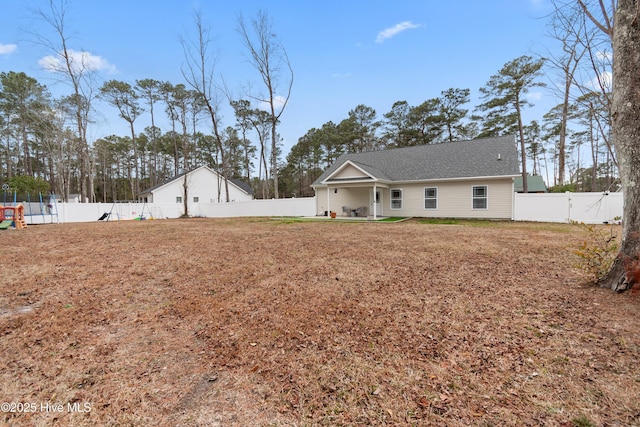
(274, 153)
(563, 129)
(25, 152)
(153, 171)
(626, 138)
(9, 163)
(136, 162)
(523, 153)
(185, 193)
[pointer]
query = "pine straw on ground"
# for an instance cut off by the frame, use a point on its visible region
(255, 322)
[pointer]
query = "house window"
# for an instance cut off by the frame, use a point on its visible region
(431, 198)
(196, 199)
(480, 197)
(396, 198)
(179, 199)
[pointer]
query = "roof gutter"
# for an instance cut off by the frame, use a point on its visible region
(470, 178)
(415, 181)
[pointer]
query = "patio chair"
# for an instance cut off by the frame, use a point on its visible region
(346, 211)
(361, 211)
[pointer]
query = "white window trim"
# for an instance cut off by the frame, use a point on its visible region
(486, 197)
(425, 199)
(391, 199)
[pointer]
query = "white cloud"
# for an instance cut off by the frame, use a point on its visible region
(605, 79)
(80, 61)
(278, 103)
(604, 56)
(6, 49)
(387, 33)
(534, 96)
(341, 75)
(538, 3)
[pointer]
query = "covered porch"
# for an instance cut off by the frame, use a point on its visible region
(353, 200)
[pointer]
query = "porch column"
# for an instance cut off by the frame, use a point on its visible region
(375, 203)
(328, 202)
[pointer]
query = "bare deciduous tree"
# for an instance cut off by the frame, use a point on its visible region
(75, 69)
(567, 27)
(269, 57)
(199, 74)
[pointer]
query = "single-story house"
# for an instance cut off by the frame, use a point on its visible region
(204, 185)
(466, 179)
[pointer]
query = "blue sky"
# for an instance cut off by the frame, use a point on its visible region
(343, 53)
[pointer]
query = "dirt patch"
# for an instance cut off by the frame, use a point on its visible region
(261, 322)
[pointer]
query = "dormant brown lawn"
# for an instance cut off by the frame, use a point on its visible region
(257, 322)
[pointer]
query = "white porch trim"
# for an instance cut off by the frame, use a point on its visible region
(328, 201)
(375, 208)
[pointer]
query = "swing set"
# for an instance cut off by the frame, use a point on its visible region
(116, 211)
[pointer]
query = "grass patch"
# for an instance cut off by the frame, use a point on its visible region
(297, 219)
(292, 220)
(439, 221)
(393, 219)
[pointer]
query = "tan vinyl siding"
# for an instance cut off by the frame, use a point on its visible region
(349, 171)
(454, 200)
(321, 200)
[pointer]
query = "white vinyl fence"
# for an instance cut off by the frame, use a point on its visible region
(89, 212)
(590, 208)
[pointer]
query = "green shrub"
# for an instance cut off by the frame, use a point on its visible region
(563, 188)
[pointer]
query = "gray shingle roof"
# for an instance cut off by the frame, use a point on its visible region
(464, 159)
(242, 185)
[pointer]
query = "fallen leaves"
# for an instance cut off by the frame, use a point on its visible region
(311, 324)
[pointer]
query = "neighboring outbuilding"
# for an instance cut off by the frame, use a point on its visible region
(204, 185)
(466, 179)
(535, 184)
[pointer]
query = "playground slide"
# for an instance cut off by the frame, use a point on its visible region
(5, 224)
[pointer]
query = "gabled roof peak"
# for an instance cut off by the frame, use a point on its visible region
(237, 182)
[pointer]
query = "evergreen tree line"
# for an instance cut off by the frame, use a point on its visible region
(571, 146)
(445, 119)
(37, 139)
